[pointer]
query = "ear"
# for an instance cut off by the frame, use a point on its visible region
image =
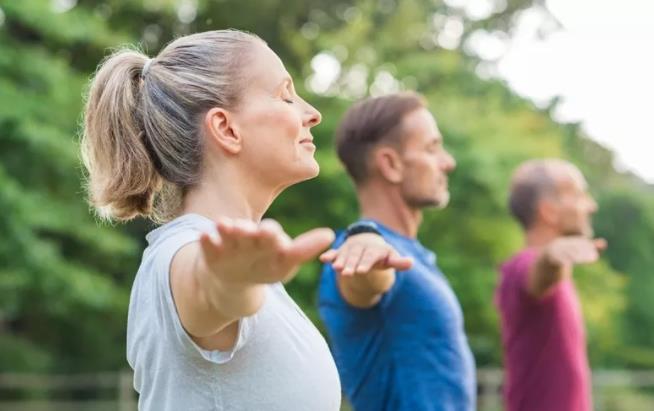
(218, 124)
(548, 212)
(389, 164)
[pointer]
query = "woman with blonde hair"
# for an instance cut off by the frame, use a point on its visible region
(202, 138)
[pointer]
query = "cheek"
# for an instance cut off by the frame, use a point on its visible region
(271, 124)
(574, 215)
(422, 175)
(281, 123)
(430, 171)
(583, 215)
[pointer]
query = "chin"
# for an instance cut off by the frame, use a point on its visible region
(315, 168)
(443, 200)
(438, 202)
(308, 171)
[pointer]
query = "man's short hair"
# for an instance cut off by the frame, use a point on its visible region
(532, 181)
(370, 122)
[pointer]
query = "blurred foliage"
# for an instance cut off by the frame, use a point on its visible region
(65, 279)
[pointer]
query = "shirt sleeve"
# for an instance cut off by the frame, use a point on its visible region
(520, 271)
(516, 277)
(167, 309)
(387, 298)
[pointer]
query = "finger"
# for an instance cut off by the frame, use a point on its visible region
(328, 256)
(369, 259)
(600, 244)
(269, 235)
(211, 247)
(273, 229)
(307, 246)
(270, 227)
(232, 232)
(238, 234)
(225, 228)
(225, 225)
(271, 224)
(245, 228)
(353, 258)
(399, 262)
(342, 253)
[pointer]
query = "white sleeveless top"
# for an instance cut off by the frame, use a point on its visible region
(279, 362)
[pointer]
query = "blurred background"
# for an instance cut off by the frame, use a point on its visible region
(507, 80)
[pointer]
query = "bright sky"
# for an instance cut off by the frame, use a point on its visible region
(598, 59)
(601, 63)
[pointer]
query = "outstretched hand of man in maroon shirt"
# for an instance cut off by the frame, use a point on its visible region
(557, 259)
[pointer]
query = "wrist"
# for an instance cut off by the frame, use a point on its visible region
(361, 227)
(217, 290)
(237, 299)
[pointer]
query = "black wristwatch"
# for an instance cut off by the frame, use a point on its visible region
(361, 227)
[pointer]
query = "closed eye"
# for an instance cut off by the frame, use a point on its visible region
(435, 144)
(433, 147)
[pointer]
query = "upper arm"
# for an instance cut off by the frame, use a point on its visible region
(542, 277)
(208, 328)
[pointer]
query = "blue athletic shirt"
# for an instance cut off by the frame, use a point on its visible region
(409, 352)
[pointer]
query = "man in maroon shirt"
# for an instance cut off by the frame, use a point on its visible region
(542, 326)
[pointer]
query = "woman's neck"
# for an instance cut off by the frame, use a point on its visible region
(226, 193)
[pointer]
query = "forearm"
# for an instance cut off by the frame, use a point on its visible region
(207, 304)
(365, 290)
(228, 300)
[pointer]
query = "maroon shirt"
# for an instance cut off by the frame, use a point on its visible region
(544, 343)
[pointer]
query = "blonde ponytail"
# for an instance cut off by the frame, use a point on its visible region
(142, 143)
(122, 178)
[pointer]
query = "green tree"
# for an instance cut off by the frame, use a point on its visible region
(65, 279)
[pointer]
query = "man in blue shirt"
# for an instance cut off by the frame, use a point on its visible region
(395, 325)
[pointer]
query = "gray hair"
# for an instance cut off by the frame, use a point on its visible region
(142, 140)
(532, 181)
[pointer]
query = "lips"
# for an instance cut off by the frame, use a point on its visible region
(306, 140)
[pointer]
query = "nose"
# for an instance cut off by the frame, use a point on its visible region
(312, 117)
(448, 163)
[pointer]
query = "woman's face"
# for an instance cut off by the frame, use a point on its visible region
(275, 123)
